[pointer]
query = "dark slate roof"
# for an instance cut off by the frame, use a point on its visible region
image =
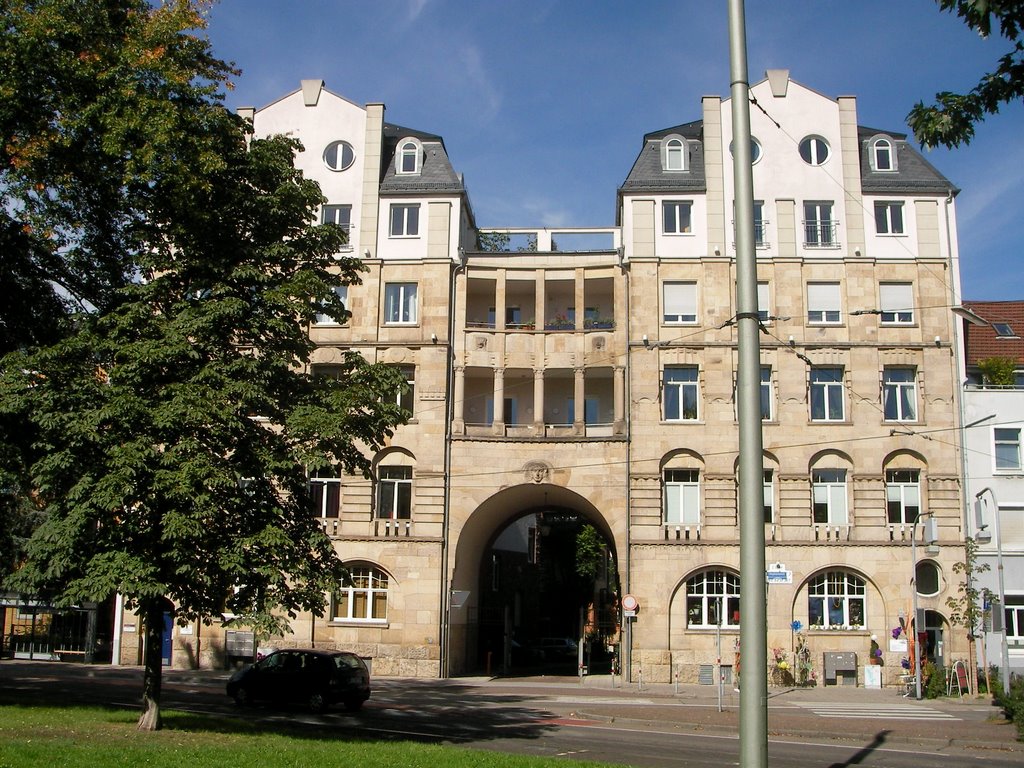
(436, 174)
(646, 175)
(913, 174)
(981, 342)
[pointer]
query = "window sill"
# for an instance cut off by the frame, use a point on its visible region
(669, 422)
(375, 623)
(818, 630)
(830, 422)
(396, 324)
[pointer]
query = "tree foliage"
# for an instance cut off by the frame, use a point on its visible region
(161, 425)
(951, 119)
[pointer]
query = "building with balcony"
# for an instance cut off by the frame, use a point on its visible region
(556, 389)
(993, 403)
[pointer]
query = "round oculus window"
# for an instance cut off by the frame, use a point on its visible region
(755, 150)
(814, 150)
(339, 155)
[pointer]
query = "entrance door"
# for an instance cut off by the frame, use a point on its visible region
(933, 623)
(165, 645)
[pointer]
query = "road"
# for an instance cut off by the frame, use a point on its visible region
(562, 721)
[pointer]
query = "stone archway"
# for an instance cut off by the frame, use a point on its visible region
(474, 542)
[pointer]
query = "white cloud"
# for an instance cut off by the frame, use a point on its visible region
(488, 97)
(415, 9)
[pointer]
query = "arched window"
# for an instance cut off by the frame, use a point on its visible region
(409, 154)
(836, 599)
(713, 597)
(926, 577)
(675, 156)
(364, 598)
(883, 155)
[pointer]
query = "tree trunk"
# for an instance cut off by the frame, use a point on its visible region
(153, 618)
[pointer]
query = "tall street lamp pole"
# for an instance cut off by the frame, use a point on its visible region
(931, 535)
(1004, 650)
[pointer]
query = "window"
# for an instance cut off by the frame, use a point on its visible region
(682, 497)
(337, 214)
(902, 495)
(767, 398)
(763, 302)
(829, 492)
(1004, 331)
(769, 496)
(680, 303)
(1007, 449)
(827, 394)
(836, 599)
(365, 599)
(1014, 610)
(882, 155)
(888, 218)
(405, 220)
(509, 411)
(408, 157)
(814, 150)
(824, 304)
(760, 240)
(680, 393)
(926, 578)
(675, 154)
(407, 396)
(899, 394)
(400, 303)
(897, 303)
(339, 156)
(325, 492)
(676, 217)
(323, 318)
(755, 150)
(707, 594)
(819, 228)
(394, 500)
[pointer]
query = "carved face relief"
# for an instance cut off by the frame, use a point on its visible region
(537, 472)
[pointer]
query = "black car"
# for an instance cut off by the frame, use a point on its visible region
(315, 678)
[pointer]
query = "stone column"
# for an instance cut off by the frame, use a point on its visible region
(499, 401)
(538, 402)
(619, 397)
(579, 403)
(459, 402)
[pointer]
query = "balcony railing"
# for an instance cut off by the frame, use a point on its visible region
(821, 234)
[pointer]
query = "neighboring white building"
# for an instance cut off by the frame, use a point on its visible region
(552, 387)
(993, 462)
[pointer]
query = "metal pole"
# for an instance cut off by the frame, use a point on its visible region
(1004, 651)
(753, 604)
(917, 629)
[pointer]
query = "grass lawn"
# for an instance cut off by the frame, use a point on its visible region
(52, 737)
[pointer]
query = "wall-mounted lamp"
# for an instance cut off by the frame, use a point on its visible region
(718, 251)
(366, 253)
(856, 252)
(938, 342)
(646, 343)
(433, 338)
(791, 341)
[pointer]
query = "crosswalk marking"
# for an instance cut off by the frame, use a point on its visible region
(874, 711)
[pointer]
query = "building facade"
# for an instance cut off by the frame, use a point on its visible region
(994, 475)
(553, 387)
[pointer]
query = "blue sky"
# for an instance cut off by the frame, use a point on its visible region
(543, 105)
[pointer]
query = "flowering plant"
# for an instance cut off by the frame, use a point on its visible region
(896, 632)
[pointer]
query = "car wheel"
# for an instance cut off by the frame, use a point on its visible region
(317, 702)
(353, 705)
(242, 697)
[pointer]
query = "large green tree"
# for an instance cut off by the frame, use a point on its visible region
(162, 424)
(951, 119)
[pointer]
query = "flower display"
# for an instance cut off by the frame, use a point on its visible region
(896, 632)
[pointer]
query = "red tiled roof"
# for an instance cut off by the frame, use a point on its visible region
(981, 341)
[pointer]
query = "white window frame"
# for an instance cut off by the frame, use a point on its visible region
(1013, 612)
(896, 303)
(369, 585)
(686, 391)
(339, 214)
(829, 499)
(675, 154)
(1009, 439)
(401, 303)
(767, 394)
(899, 394)
(394, 492)
(764, 303)
(673, 220)
(820, 224)
(814, 150)
(889, 218)
(339, 150)
(890, 154)
(322, 318)
(842, 595)
(768, 493)
(681, 493)
(828, 392)
(408, 149)
(707, 593)
(824, 303)
(406, 398)
(325, 493)
(679, 298)
(404, 221)
(902, 496)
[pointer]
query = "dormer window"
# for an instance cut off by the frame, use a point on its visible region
(409, 157)
(674, 154)
(883, 155)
